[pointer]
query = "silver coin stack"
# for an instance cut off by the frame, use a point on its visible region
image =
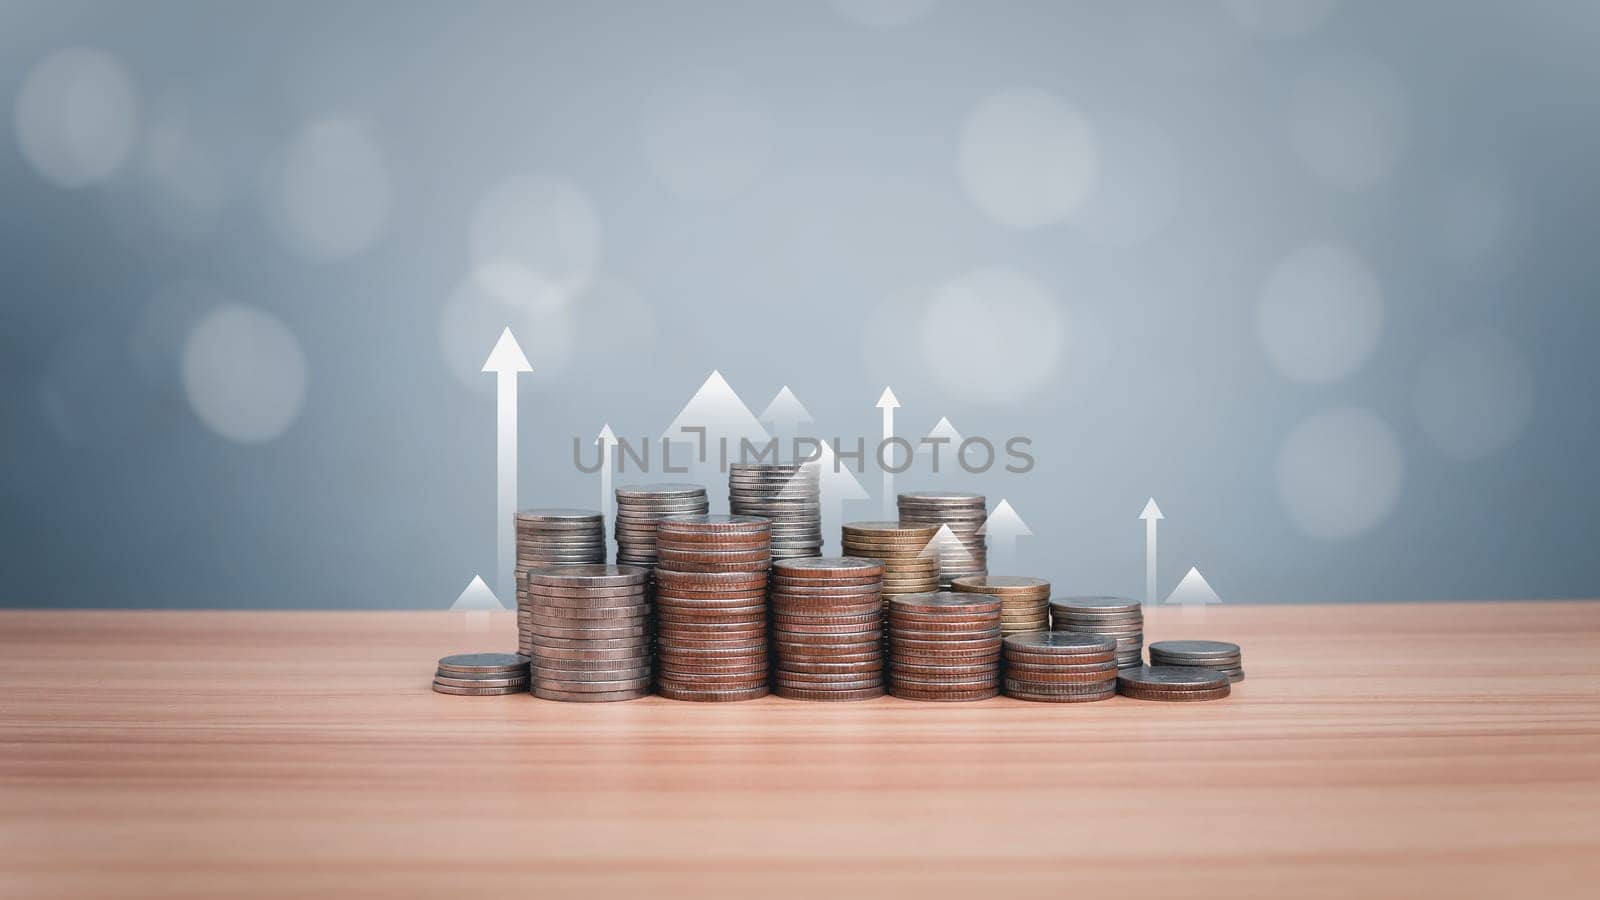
(1112, 617)
(591, 632)
(482, 674)
(1219, 655)
(968, 552)
(641, 506)
(553, 537)
(790, 494)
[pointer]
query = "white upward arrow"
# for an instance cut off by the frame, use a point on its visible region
(477, 601)
(1194, 595)
(1151, 515)
(785, 413)
(506, 361)
(607, 439)
(888, 403)
(1003, 527)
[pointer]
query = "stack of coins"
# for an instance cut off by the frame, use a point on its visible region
(1173, 683)
(591, 632)
(1218, 655)
(944, 646)
(827, 626)
(790, 494)
(966, 553)
(1114, 617)
(1024, 602)
(554, 537)
(482, 674)
(641, 506)
(711, 607)
(1060, 667)
(908, 566)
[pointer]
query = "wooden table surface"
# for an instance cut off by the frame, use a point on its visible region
(1447, 750)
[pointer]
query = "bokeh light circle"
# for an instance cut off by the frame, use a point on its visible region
(244, 374)
(1474, 394)
(1027, 158)
(1320, 314)
(992, 336)
(330, 194)
(76, 117)
(1339, 473)
(707, 136)
(1348, 122)
(1137, 186)
(535, 241)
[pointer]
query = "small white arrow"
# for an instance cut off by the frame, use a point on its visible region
(506, 361)
(941, 443)
(785, 413)
(607, 440)
(1151, 515)
(1194, 595)
(888, 402)
(1003, 527)
(948, 548)
(477, 601)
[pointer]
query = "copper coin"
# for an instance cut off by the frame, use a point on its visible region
(946, 601)
(1088, 697)
(1174, 696)
(715, 523)
(446, 681)
(935, 671)
(587, 575)
(702, 552)
(479, 691)
(1059, 644)
(557, 675)
(589, 696)
(794, 693)
(711, 581)
(712, 696)
(829, 567)
(1169, 678)
(1058, 687)
(825, 682)
(945, 696)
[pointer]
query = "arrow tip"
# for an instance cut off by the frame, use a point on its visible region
(477, 597)
(606, 436)
(1193, 590)
(887, 400)
(1151, 510)
(507, 355)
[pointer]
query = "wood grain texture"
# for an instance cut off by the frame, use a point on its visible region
(1445, 750)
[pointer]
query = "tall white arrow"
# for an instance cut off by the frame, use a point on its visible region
(506, 361)
(1194, 594)
(477, 601)
(1003, 527)
(1151, 515)
(607, 439)
(888, 403)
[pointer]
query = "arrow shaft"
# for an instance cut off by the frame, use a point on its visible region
(506, 483)
(605, 481)
(888, 476)
(1150, 561)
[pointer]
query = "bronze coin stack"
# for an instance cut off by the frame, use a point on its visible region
(711, 607)
(963, 550)
(944, 646)
(827, 626)
(908, 566)
(1024, 602)
(1060, 666)
(1113, 617)
(590, 629)
(1173, 684)
(553, 537)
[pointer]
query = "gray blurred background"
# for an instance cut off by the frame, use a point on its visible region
(1316, 275)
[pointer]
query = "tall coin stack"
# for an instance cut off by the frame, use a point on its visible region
(711, 607)
(790, 494)
(827, 625)
(641, 506)
(944, 646)
(1114, 617)
(1060, 666)
(964, 513)
(554, 537)
(1024, 602)
(590, 629)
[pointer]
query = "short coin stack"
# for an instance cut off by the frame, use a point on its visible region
(944, 646)
(1024, 602)
(482, 674)
(827, 626)
(1218, 655)
(641, 506)
(711, 607)
(1114, 617)
(1060, 667)
(964, 552)
(554, 537)
(790, 494)
(590, 629)
(1172, 683)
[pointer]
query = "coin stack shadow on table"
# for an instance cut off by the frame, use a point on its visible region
(1113, 617)
(553, 537)
(590, 632)
(944, 646)
(789, 494)
(966, 551)
(711, 607)
(827, 626)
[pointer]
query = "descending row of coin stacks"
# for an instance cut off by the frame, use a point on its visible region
(1024, 602)
(1220, 656)
(711, 607)
(1180, 684)
(554, 537)
(641, 506)
(908, 566)
(1113, 617)
(790, 495)
(481, 674)
(1060, 666)
(590, 628)
(964, 550)
(944, 646)
(827, 622)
